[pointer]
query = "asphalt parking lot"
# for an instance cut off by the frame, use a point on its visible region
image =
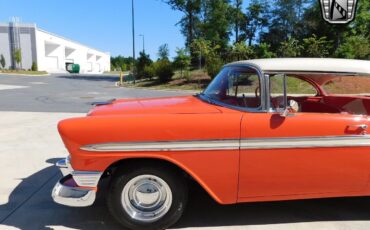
(30, 108)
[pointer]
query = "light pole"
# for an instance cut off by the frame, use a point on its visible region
(133, 39)
(142, 35)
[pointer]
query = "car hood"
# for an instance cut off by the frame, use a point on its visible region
(166, 105)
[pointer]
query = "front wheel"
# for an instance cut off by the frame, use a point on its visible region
(147, 197)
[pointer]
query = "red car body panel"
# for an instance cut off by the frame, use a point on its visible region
(229, 176)
(216, 171)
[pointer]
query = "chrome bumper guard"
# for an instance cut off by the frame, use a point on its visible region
(65, 166)
(76, 188)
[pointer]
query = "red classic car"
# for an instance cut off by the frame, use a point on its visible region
(263, 130)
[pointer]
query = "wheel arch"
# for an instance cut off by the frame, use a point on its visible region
(170, 163)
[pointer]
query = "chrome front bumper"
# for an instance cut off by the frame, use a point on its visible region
(76, 188)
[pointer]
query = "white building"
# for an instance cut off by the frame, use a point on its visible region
(49, 51)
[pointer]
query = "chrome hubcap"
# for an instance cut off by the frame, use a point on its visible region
(146, 198)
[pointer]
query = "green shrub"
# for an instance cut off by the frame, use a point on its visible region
(354, 47)
(149, 72)
(164, 70)
(2, 61)
(34, 66)
(214, 65)
(142, 62)
(18, 56)
(124, 67)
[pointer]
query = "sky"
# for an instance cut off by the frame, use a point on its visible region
(102, 24)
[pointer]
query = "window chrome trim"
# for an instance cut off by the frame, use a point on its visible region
(233, 144)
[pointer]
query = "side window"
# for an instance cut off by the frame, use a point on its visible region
(277, 92)
(348, 85)
(243, 88)
(297, 90)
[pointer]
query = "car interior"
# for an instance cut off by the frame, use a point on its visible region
(312, 93)
(327, 94)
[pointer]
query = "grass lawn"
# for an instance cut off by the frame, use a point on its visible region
(196, 80)
(24, 72)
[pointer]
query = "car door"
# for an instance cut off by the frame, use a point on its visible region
(302, 154)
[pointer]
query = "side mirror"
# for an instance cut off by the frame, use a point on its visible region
(286, 112)
(290, 109)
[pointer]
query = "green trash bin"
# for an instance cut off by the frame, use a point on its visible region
(73, 68)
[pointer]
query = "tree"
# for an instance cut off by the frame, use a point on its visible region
(149, 71)
(354, 47)
(216, 23)
(120, 62)
(163, 69)
(288, 28)
(361, 26)
(316, 47)
(189, 22)
(163, 52)
(124, 67)
(142, 62)
(18, 56)
(240, 51)
(290, 48)
(205, 50)
(214, 64)
(182, 60)
(256, 19)
(238, 18)
(285, 21)
(262, 50)
(201, 48)
(2, 61)
(312, 23)
(191, 9)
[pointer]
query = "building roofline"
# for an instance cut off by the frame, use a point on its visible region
(70, 40)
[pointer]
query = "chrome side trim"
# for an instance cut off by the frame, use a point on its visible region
(233, 144)
(305, 142)
(72, 196)
(229, 144)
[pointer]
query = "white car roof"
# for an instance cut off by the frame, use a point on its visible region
(309, 65)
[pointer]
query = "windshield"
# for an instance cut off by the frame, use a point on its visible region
(236, 86)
